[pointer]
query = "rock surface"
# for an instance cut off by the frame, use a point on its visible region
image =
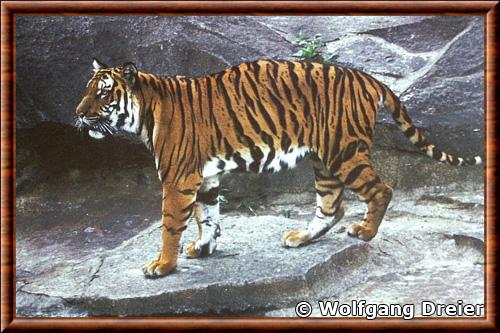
(430, 245)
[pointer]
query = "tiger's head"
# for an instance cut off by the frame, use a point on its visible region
(110, 103)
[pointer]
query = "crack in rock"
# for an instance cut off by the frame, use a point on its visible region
(94, 275)
(399, 82)
(42, 294)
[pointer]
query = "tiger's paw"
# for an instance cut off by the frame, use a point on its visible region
(198, 249)
(156, 268)
(295, 238)
(362, 232)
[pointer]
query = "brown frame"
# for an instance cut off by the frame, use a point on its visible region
(488, 9)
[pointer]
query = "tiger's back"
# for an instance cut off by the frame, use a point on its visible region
(274, 112)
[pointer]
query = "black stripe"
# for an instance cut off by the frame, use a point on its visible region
(354, 106)
(237, 80)
(188, 208)
(336, 164)
(162, 88)
(192, 117)
(294, 78)
(312, 83)
(254, 123)
(213, 121)
(366, 94)
(181, 229)
(350, 128)
(229, 149)
(189, 91)
(248, 100)
(273, 77)
(261, 107)
(350, 151)
(339, 93)
(280, 109)
(288, 93)
(307, 109)
(125, 103)
(323, 193)
(320, 177)
(178, 91)
(267, 118)
(354, 173)
(300, 137)
(436, 153)
(325, 213)
(200, 99)
(362, 90)
(174, 231)
(308, 81)
(285, 142)
(268, 140)
(410, 131)
(221, 164)
(169, 215)
(159, 155)
(252, 83)
(187, 192)
(257, 156)
(242, 164)
(255, 67)
(153, 82)
(453, 160)
(366, 187)
(295, 121)
(326, 83)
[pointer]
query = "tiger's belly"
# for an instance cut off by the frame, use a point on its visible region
(243, 161)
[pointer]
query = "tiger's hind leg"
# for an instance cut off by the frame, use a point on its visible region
(329, 208)
(358, 175)
(206, 212)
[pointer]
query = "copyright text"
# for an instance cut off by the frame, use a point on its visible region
(372, 311)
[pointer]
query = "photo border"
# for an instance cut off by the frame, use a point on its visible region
(9, 9)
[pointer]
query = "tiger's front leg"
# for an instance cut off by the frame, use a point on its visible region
(206, 212)
(177, 207)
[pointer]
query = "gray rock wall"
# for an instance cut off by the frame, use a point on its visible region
(100, 200)
(436, 65)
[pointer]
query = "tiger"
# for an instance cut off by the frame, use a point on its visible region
(257, 116)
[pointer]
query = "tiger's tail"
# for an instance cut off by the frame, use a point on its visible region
(405, 124)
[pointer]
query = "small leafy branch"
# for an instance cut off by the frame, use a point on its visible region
(286, 213)
(223, 199)
(311, 48)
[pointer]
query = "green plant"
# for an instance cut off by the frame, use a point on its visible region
(223, 200)
(286, 213)
(311, 48)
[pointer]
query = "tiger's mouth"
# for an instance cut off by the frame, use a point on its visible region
(97, 127)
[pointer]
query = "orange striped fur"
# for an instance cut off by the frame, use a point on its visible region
(256, 116)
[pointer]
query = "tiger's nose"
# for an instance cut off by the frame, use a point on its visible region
(80, 113)
(83, 107)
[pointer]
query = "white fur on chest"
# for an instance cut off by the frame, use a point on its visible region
(220, 165)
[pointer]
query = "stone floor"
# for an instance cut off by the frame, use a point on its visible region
(430, 247)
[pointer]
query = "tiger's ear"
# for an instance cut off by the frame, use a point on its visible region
(98, 65)
(129, 73)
